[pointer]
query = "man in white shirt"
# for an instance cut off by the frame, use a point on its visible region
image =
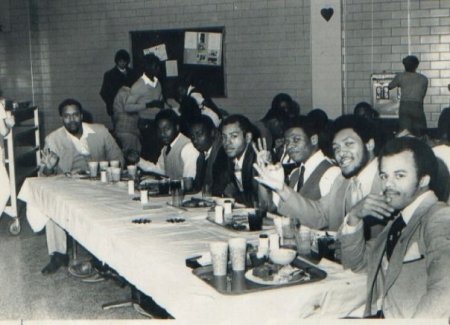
(178, 158)
(354, 151)
(69, 149)
(408, 263)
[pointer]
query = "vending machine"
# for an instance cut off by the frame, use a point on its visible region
(385, 101)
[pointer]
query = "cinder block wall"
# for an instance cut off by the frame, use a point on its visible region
(377, 37)
(267, 48)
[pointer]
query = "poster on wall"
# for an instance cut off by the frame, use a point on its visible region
(158, 50)
(203, 48)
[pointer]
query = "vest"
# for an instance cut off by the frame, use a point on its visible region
(311, 188)
(173, 162)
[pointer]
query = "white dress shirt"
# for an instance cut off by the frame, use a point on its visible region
(81, 144)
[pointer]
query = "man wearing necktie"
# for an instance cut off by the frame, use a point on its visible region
(237, 134)
(353, 144)
(178, 157)
(408, 263)
(208, 141)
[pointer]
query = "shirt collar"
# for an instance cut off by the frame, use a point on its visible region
(86, 131)
(208, 152)
(175, 140)
(147, 81)
(312, 163)
(408, 212)
(367, 175)
(240, 161)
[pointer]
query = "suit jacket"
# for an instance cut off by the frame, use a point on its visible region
(226, 180)
(112, 81)
(102, 146)
(217, 152)
(326, 213)
(417, 279)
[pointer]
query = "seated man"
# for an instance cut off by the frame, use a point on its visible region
(178, 157)
(208, 141)
(207, 107)
(69, 149)
(354, 151)
(408, 263)
(236, 174)
(316, 174)
(271, 127)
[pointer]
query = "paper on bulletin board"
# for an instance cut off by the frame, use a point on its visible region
(171, 68)
(190, 40)
(158, 50)
(203, 48)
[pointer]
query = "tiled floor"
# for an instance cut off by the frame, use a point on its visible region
(28, 295)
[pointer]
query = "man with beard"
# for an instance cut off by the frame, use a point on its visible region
(69, 149)
(353, 146)
(408, 263)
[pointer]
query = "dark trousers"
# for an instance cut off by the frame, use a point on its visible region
(412, 118)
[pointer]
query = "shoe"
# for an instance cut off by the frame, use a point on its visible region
(56, 261)
(141, 310)
(94, 278)
(82, 270)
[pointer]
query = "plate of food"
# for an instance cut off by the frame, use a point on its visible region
(194, 202)
(274, 274)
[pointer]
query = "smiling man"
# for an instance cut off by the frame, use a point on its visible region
(408, 263)
(354, 150)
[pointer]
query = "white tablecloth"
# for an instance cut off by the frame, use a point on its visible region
(152, 256)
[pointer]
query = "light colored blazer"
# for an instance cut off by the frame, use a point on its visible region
(417, 281)
(102, 146)
(328, 212)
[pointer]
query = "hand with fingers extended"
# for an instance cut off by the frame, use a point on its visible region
(270, 175)
(263, 155)
(49, 160)
(375, 205)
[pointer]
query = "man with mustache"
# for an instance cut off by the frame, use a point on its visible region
(408, 263)
(353, 145)
(69, 149)
(237, 175)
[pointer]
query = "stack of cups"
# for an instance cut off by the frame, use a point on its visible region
(218, 214)
(103, 167)
(131, 171)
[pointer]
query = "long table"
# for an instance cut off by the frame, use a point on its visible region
(152, 256)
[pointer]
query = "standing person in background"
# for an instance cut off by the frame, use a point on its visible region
(414, 87)
(285, 103)
(120, 75)
(146, 99)
(6, 123)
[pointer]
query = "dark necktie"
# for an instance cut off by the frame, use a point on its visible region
(301, 177)
(168, 149)
(201, 169)
(394, 235)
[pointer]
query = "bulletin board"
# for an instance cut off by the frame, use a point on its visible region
(196, 54)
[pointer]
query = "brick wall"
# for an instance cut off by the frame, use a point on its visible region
(266, 47)
(377, 37)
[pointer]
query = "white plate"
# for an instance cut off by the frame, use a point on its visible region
(249, 276)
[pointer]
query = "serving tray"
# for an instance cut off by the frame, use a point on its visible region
(236, 283)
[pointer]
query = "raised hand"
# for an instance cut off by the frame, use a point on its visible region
(263, 156)
(49, 159)
(270, 175)
(372, 205)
